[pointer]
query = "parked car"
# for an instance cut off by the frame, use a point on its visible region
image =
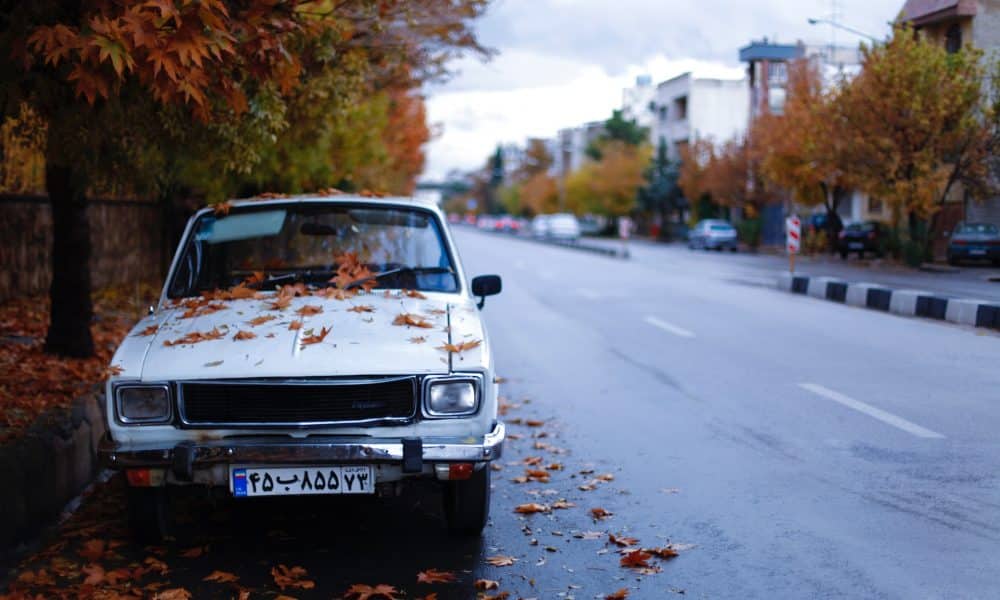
(280, 360)
(563, 226)
(867, 236)
(713, 234)
(507, 224)
(486, 222)
(540, 226)
(974, 241)
(590, 225)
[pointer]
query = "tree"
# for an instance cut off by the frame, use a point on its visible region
(661, 193)
(608, 186)
(693, 172)
(540, 194)
(124, 84)
(618, 129)
(804, 148)
(919, 121)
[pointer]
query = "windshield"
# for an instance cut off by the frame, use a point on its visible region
(287, 243)
(977, 228)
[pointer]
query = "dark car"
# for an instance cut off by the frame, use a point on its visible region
(861, 237)
(974, 241)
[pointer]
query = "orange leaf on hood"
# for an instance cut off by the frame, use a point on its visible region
(244, 335)
(316, 338)
(409, 319)
(435, 576)
(360, 591)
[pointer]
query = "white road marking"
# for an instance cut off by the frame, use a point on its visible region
(669, 327)
(871, 411)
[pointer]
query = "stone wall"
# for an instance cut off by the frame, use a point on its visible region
(125, 244)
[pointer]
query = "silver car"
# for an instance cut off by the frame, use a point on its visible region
(713, 234)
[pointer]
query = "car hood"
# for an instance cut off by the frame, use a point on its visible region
(974, 238)
(357, 343)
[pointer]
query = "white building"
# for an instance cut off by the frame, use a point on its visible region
(688, 107)
(572, 143)
(638, 102)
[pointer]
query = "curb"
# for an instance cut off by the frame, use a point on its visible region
(46, 467)
(907, 303)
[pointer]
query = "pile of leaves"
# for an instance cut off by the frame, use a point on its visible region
(33, 382)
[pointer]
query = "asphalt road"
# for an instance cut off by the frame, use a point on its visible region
(786, 447)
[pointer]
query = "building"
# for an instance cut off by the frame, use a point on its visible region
(689, 107)
(572, 144)
(954, 24)
(638, 102)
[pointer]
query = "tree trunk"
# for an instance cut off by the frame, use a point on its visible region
(71, 313)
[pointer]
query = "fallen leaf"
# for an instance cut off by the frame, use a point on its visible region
(486, 584)
(222, 208)
(554, 467)
(591, 535)
(622, 541)
(460, 347)
(114, 370)
(666, 552)
(221, 577)
(501, 561)
(286, 577)
(280, 303)
(414, 294)
(533, 460)
(562, 504)
(244, 335)
(435, 576)
(534, 423)
(317, 338)
(600, 513)
(173, 594)
(156, 565)
(331, 293)
(418, 339)
(95, 574)
(619, 595)
(360, 591)
(605, 477)
(195, 337)
(362, 308)
(261, 320)
(93, 549)
(412, 320)
(148, 331)
(309, 310)
(635, 559)
(295, 325)
(214, 363)
(531, 508)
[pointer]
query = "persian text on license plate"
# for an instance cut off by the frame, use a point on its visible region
(290, 481)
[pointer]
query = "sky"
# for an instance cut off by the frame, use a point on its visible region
(561, 63)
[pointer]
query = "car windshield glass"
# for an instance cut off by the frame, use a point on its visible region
(301, 242)
(978, 228)
(721, 228)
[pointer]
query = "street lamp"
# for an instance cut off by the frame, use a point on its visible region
(844, 27)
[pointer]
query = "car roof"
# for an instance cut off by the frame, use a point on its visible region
(387, 201)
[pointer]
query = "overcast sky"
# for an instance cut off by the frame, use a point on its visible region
(564, 62)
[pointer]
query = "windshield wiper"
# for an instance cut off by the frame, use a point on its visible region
(414, 270)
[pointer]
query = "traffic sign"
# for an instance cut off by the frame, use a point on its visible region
(793, 234)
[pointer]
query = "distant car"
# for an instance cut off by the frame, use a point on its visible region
(589, 225)
(485, 222)
(861, 237)
(713, 234)
(470, 219)
(563, 226)
(974, 241)
(540, 226)
(507, 224)
(454, 218)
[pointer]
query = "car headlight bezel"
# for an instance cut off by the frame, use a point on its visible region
(476, 381)
(120, 409)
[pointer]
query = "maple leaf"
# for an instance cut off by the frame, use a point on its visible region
(285, 577)
(95, 574)
(531, 508)
(537, 475)
(148, 331)
(195, 337)
(222, 209)
(113, 371)
(532, 460)
(295, 325)
(93, 549)
(362, 308)
(534, 423)
(280, 303)
(619, 595)
(562, 504)
(244, 335)
(486, 584)
(260, 320)
(666, 552)
(635, 559)
(173, 594)
(408, 320)
(193, 552)
(605, 477)
(418, 339)
(554, 467)
(221, 577)
(501, 560)
(255, 278)
(41, 577)
(622, 541)
(309, 310)
(317, 338)
(360, 591)
(242, 292)
(414, 294)
(157, 565)
(460, 347)
(350, 270)
(331, 293)
(435, 576)
(600, 513)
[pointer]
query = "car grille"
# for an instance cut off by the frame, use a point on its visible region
(284, 404)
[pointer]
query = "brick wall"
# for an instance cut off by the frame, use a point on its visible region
(124, 235)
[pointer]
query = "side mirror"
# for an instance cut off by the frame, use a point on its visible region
(486, 285)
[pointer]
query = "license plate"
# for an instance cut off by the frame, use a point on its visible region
(856, 245)
(294, 481)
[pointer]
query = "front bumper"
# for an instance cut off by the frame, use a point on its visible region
(263, 450)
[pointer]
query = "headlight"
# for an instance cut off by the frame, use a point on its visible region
(450, 397)
(144, 404)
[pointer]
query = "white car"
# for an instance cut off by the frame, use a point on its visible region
(309, 345)
(563, 226)
(540, 226)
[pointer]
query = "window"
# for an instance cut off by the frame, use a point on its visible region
(953, 38)
(680, 108)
